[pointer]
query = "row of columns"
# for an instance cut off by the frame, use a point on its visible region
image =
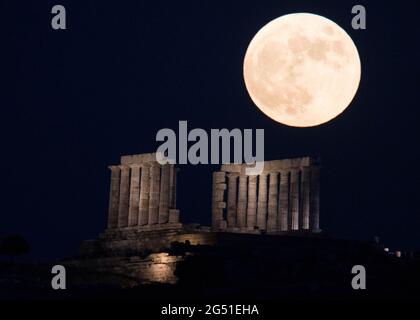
(272, 201)
(142, 194)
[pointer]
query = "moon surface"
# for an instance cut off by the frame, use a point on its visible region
(302, 70)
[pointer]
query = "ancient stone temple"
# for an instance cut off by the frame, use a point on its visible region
(142, 194)
(144, 235)
(283, 198)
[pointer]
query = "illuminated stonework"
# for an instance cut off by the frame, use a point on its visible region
(144, 232)
(283, 198)
(142, 193)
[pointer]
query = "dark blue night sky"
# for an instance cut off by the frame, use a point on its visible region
(74, 101)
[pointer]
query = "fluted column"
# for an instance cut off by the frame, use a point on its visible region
(164, 194)
(124, 196)
(304, 200)
(114, 195)
(294, 199)
(284, 200)
(231, 200)
(144, 195)
(218, 203)
(133, 212)
(262, 202)
(154, 194)
(242, 201)
(272, 202)
(172, 186)
(251, 211)
(314, 199)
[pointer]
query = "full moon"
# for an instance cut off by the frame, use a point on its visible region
(302, 70)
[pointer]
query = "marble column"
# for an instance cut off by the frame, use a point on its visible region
(242, 201)
(124, 196)
(164, 194)
(304, 197)
(114, 195)
(294, 199)
(272, 202)
(154, 194)
(144, 195)
(251, 211)
(133, 212)
(262, 202)
(218, 203)
(284, 201)
(172, 186)
(314, 199)
(231, 200)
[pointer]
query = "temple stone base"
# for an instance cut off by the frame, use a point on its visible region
(145, 241)
(155, 256)
(141, 229)
(133, 240)
(133, 270)
(274, 232)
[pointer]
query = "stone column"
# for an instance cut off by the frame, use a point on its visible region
(144, 195)
(284, 201)
(218, 204)
(231, 200)
(124, 196)
(133, 212)
(114, 195)
(314, 199)
(242, 200)
(154, 194)
(262, 202)
(172, 186)
(294, 199)
(251, 211)
(164, 194)
(304, 198)
(272, 202)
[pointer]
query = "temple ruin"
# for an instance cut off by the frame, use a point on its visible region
(283, 198)
(247, 210)
(142, 194)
